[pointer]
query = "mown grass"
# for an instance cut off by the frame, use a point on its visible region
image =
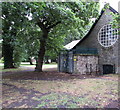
(11, 69)
(24, 66)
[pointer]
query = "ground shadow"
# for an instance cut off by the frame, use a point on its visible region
(45, 75)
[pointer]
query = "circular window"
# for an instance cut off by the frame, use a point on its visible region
(107, 36)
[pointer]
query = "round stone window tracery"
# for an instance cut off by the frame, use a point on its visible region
(107, 35)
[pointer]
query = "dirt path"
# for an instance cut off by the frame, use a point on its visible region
(45, 68)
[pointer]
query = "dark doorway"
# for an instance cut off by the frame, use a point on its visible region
(108, 69)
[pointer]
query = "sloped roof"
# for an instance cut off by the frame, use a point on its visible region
(110, 8)
(71, 44)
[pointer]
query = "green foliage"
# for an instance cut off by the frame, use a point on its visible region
(84, 13)
(21, 31)
(116, 18)
(17, 56)
(116, 21)
(74, 17)
(13, 19)
(31, 40)
(2, 60)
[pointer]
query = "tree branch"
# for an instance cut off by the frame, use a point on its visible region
(53, 25)
(42, 26)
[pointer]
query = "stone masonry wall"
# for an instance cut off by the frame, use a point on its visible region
(107, 55)
(85, 64)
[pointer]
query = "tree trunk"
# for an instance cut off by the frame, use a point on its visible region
(47, 60)
(41, 53)
(8, 55)
(30, 60)
(45, 29)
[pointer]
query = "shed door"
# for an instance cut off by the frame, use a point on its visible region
(62, 62)
(70, 62)
(108, 69)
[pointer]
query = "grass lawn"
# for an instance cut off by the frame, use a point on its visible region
(26, 66)
(59, 90)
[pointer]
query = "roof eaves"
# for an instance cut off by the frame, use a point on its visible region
(113, 10)
(90, 29)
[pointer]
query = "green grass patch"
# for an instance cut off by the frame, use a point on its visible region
(24, 66)
(1, 67)
(57, 100)
(12, 69)
(61, 100)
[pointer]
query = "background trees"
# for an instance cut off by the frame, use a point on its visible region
(42, 28)
(12, 27)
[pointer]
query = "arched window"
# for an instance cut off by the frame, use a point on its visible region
(107, 35)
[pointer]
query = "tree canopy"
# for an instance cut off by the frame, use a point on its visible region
(39, 28)
(13, 18)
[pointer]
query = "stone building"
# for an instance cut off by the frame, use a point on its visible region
(97, 52)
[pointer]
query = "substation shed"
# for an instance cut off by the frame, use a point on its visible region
(97, 52)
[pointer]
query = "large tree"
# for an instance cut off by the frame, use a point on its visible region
(13, 17)
(54, 20)
(59, 17)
